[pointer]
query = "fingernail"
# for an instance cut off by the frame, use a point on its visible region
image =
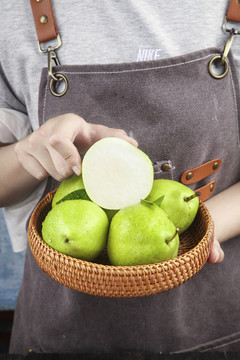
(134, 142)
(76, 169)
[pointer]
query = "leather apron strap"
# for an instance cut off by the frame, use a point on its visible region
(233, 13)
(47, 30)
(44, 20)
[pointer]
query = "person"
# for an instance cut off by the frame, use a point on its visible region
(128, 73)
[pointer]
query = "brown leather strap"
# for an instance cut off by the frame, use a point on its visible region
(206, 191)
(233, 13)
(47, 30)
(44, 20)
(198, 173)
(46, 27)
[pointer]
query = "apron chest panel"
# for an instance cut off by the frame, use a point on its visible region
(173, 108)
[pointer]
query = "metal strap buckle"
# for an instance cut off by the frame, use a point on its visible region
(52, 55)
(232, 30)
(58, 77)
(223, 58)
(227, 46)
(59, 43)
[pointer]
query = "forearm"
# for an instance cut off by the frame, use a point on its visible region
(225, 211)
(15, 182)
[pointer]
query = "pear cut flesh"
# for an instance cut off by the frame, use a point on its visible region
(116, 174)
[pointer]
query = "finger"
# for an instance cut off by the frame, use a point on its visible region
(99, 131)
(32, 165)
(69, 153)
(132, 141)
(47, 163)
(221, 257)
(216, 255)
(123, 135)
(42, 156)
(129, 139)
(62, 167)
(34, 157)
(60, 133)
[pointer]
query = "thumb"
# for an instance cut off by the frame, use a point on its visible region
(216, 255)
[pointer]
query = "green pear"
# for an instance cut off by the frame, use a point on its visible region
(141, 234)
(77, 228)
(179, 201)
(116, 173)
(68, 186)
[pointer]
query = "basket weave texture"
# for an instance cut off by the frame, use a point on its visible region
(105, 280)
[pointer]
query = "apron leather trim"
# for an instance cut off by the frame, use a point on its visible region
(45, 30)
(206, 190)
(233, 13)
(200, 172)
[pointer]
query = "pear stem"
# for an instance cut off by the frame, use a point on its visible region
(176, 232)
(198, 193)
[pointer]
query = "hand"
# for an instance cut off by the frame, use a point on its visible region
(216, 255)
(54, 149)
(225, 211)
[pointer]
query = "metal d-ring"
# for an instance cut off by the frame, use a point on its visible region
(60, 77)
(223, 57)
(224, 62)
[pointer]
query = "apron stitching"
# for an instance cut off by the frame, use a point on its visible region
(117, 72)
(153, 68)
(135, 70)
(207, 345)
(235, 102)
(219, 346)
(44, 102)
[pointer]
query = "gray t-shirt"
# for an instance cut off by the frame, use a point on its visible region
(102, 32)
(94, 32)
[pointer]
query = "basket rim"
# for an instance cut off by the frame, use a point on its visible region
(180, 259)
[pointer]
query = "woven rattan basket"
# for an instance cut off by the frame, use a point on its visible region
(101, 279)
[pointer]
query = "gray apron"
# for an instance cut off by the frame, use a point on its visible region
(179, 113)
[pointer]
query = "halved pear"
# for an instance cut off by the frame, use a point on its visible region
(116, 174)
